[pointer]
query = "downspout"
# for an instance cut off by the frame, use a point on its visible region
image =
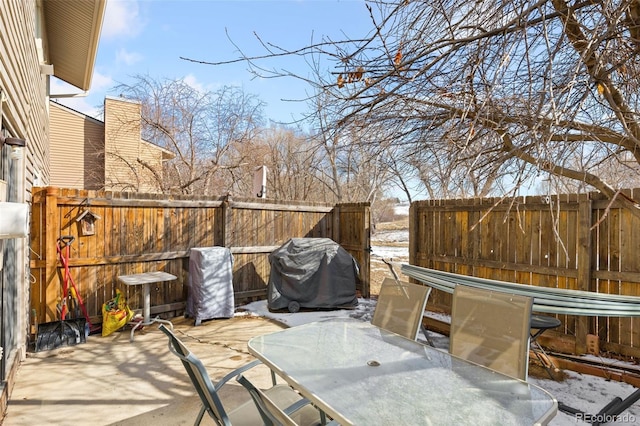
(17, 194)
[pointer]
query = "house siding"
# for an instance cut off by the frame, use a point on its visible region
(150, 156)
(87, 153)
(24, 115)
(122, 144)
(132, 164)
(25, 111)
(77, 149)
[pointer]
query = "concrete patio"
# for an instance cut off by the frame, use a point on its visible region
(110, 381)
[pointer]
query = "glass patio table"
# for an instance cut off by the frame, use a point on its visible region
(360, 374)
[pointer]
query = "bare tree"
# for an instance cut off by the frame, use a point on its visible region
(292, 163)
(354, 166)
(289, 161)
(527, 86)
(200, 127)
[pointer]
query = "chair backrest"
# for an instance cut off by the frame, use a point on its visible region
(271, 414)
(491, 328)
(400, 307)
(199, 378)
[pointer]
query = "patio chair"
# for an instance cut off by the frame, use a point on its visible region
(400, 307)
(491, 328)
(273, 415)
(246, 413)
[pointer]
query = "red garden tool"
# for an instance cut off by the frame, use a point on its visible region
(67, 331)
(71, 296)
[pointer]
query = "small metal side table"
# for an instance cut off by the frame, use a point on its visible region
(542, 323)
(145, 279)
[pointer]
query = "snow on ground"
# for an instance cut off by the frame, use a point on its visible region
(380, 237)
(389, 252)
(402, 209)
(399, 249)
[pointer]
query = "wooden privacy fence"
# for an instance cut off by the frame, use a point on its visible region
(580, 242)
(135, 233)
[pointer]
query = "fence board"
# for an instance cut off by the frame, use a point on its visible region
(143, 232)
(574, 241)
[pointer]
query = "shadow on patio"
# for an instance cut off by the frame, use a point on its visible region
(109, 381)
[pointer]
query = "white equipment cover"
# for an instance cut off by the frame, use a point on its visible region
(210, 284)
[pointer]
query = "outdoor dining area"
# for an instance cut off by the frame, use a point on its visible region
(139, 240)
(218, 363)
(247, 370)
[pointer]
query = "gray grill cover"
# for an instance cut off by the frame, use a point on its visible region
(314, 272)
(210, 284)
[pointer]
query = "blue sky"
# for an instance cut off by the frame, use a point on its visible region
(149, 36)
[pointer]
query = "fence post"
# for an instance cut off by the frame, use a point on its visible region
(52, 227)
(365, 239)
(227, 222)
(413, 233)
(584, 268)
(335, 222)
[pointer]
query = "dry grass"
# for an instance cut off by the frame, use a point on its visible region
(389, 243)
(538, 371)
(397, 225)
(380, 270)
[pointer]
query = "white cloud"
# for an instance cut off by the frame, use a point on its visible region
(82, 105)
(127, 58)
(89, 103)
(122, 19)
(192, 81)
(58, 86)
(100, 82)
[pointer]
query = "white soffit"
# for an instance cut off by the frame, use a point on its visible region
(73, 31)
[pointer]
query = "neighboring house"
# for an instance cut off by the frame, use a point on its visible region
(91, 154)
(39, 38)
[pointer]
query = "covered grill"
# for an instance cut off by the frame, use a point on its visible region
(312, 273)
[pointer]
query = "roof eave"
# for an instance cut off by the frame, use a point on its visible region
(73, 33)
